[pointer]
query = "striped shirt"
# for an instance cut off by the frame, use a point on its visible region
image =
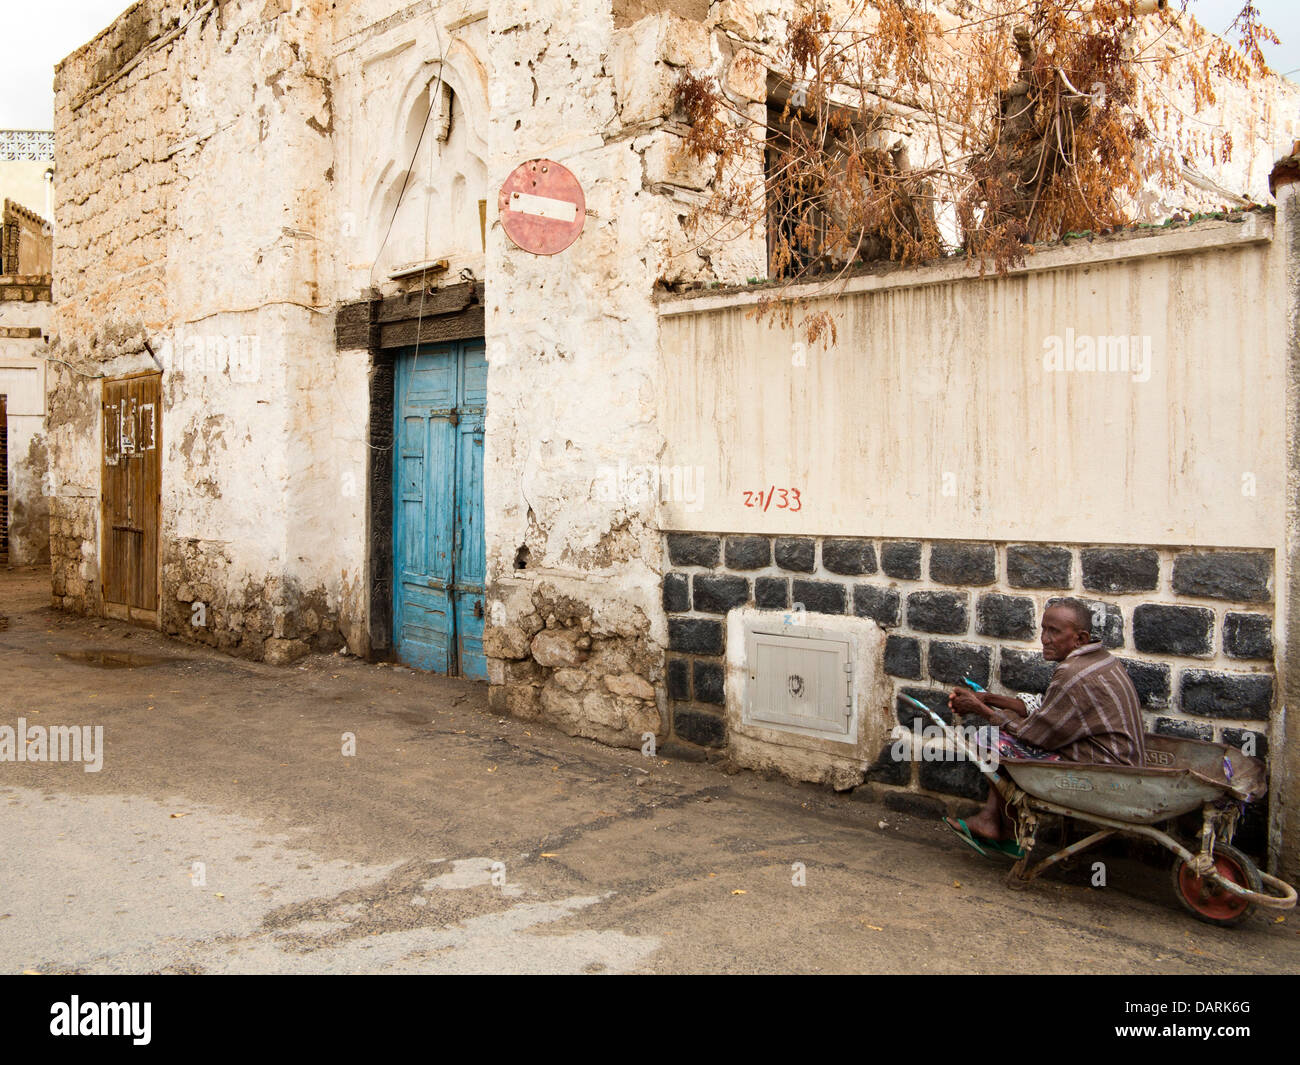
(1090, 713)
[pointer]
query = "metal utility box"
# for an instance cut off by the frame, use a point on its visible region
(800, 680)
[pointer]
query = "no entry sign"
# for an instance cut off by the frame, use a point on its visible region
(542, 207)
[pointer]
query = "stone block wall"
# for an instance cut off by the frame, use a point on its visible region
(25, 288)
(74, 500)
(586, 674)
(74, 521)
(1194, 628)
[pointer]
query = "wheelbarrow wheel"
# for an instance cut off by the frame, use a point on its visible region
(1209, 902)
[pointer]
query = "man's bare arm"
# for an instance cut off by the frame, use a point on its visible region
(1005, 702)
(999, 709)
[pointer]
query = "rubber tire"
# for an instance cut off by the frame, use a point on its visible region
(1247, 873)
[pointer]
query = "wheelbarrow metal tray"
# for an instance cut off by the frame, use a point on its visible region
(1179, 776)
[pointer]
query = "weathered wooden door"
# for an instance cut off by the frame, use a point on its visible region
(132, 481)
(471, 545)
(438, 544)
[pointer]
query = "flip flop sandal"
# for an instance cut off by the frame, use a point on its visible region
(965, 835)
(1009, 847)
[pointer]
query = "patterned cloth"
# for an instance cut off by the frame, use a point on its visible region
(991, 740)
(1090, 713)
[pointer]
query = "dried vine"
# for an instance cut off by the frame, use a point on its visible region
(902, 136)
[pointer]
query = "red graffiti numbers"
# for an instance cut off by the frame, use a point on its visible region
(783, 498)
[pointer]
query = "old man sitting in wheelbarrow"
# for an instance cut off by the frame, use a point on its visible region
(1090, 713)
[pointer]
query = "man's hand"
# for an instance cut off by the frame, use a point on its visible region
(962, 701)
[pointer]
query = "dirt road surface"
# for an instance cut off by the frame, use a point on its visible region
(228, 832)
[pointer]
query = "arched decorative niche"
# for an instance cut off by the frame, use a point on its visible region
(443, 173)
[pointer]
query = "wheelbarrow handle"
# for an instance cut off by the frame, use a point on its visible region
(1284, 900)
(956, 738)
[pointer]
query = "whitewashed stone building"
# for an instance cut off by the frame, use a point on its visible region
(311, 395)
(26, 166)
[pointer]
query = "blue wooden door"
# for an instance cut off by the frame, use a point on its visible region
(438, 545)
(471, 550)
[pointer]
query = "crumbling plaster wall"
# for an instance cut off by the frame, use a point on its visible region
(192, 152)
(399, 193)
(23, 323)
(1263, 118)
(573, 578)
(570, 347)
(576, 632)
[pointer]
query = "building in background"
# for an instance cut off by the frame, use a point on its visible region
(27, 169)
(26, 247)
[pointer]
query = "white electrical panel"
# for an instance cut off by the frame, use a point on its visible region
(799, 680)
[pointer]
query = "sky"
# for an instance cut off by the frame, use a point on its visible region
(47, 30)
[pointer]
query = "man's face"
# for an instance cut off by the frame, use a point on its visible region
(1061, 633)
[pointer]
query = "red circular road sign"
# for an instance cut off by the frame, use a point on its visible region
(542, 207)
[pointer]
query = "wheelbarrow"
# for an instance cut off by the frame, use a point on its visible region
(1218, 883)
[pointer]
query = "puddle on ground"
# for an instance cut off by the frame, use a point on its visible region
(115, 659)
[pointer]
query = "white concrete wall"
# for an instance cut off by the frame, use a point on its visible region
(937, 412)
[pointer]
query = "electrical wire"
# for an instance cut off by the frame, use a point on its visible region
(434, 98)
(74, 369)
